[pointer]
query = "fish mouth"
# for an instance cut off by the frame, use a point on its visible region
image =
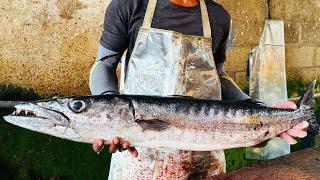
(28, 113)
(34, 113)
(43, 119)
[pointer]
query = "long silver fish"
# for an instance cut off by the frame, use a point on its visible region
(163, 122)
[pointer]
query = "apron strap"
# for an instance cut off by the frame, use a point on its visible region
(205, 19)
(204, 15)
(149, 14)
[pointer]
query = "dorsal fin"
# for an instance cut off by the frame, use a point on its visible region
(307, 99)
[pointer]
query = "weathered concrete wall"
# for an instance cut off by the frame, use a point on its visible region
(302, 35)
(50, 45)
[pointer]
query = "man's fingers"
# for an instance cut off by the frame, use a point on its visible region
(125, 145)
(301, 126)
(297, 133)
(285, 105)
(288, 138)
(95, 147)
(116, 140)
(98, 145)
(114, 146)
(133, 151)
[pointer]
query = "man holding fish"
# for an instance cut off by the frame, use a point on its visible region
(174, 48)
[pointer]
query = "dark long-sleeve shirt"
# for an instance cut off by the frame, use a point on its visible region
(124, 18)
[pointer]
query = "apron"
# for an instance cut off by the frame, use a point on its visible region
(167, 63)
(267, 73)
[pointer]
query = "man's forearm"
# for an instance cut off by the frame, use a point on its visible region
(103, 76)
(229, 89)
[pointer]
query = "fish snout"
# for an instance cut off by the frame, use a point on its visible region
(36, 111)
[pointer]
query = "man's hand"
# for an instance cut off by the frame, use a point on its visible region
(115, 146)
(297, 131)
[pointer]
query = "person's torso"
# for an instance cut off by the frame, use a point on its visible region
(185, 20)
(167, 63)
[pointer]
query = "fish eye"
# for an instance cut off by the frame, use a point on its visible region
(77, 106)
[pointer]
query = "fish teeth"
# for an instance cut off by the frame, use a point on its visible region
(26, 112)
(18, 111)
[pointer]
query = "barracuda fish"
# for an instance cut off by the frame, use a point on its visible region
(163, 122)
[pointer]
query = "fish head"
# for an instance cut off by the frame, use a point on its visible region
(71, 117)
(56, 117)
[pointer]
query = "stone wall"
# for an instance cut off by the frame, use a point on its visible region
(50, 45)
(302, 35)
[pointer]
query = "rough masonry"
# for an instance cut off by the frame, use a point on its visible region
(50, 45)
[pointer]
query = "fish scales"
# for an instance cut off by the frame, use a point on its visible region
(180, 123)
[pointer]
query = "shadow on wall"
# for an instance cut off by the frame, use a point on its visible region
(67, 8)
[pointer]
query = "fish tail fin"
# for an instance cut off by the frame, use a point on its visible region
(307, 103)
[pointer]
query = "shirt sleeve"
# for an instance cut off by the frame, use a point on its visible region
(220, 54)
(115, 27)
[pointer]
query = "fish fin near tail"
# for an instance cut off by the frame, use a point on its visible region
(307, 99)
(307, 103)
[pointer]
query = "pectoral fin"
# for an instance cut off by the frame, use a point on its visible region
(153, 124)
